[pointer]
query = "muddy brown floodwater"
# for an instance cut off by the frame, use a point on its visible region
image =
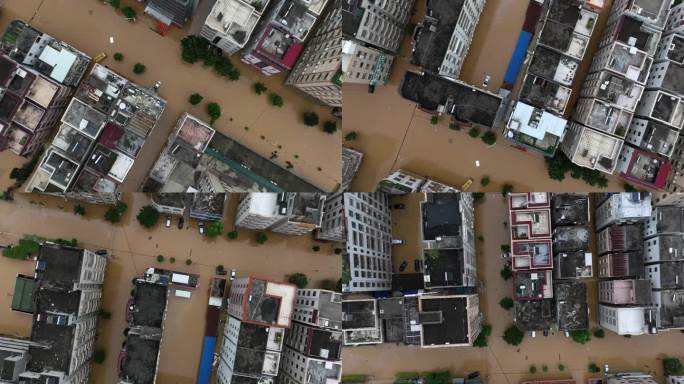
(88, 24)
(133, 250)
(499, 362)
(394, 134)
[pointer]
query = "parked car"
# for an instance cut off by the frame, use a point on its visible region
(397, 242)
(402, 267)
(201, 228)
(180, 223)
(399, 206)
(168, 221)
(233, 273)
(99, 57)
(485, 83)
(156, 86)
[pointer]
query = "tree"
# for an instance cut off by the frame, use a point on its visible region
(194, 48)
(561, 367)
(351, 136)
(261, 237)
(298, 279)
(330, 127)
(629, 188)
(311, 119)
(506, 189)
(545, 368)
(593, 368)
(99, 356)
(214, 229)
(259, 88)
(160, 258)
(118, 56)
(513, 335)
(214, 111)
(315, 248)
(172, 260)
(220, 269)
(506, 303)
(484, 181)
(79, 210)
(599, 333)
(115, 3)
(439, 377)
(232, 235)
(489, 138)
(558, 166)
(114, 213)
(454, 127)
(434, 120)
(128, 12)
(329, 285)
(105, 314)
(139, 68)
(533, 369)
(581, 337)
(672, 366)
(338, 251)
(276, 100)
(481, 340)
(478, 196)
(26, 248)
(505, 248)
(188, 261)
(195, 98)
(148, 216)
(506, 272)
(474, 132)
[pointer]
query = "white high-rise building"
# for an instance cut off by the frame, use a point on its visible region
(619, 208)
(228, 24)
(624, 320)
(363, 222)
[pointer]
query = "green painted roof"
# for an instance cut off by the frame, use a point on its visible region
(23, 294)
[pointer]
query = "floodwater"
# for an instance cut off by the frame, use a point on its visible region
(133, 250)
(88, 25)
(394, 134)
(499, 362)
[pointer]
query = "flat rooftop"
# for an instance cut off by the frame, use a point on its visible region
(307, 207)
(543, 93)
(552, 65)
(453, 325)
(571, 238)
(235, 19)
(673, 78)
(644, 37)
(359, 314)
(618, 90)
(58, 266)
(140, 359)
(596, 150)
(269, 302)
(532, 285)
(573, 265)
(325, 343)
(149, 304)
(208, 203)
(443, 267)
(462, 102)
(670, 219)
(441, 216)
(58, 339)
(535, 315)
(570, 209)
(432, 40)
(571, 304)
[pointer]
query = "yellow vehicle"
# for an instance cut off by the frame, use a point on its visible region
(99, 57)
(467, 184)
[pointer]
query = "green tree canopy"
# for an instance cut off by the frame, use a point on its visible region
(298, 279)
(513, 335)
(261, 237)
(148, 216)
(311, 119)
(506, 303)
(214, 111)
(672, 367)
(214, 229)
(114, 213)
(581, 337)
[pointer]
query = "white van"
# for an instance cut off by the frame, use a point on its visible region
(184, 294)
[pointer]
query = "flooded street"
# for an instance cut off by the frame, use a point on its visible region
(500, 362)
(394, 134)
(88, 25)
(133, 250)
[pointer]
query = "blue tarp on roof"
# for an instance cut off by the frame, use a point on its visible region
(207, 358)
(518, 57)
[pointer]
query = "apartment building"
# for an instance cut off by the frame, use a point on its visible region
(534, 128)
(66, 300)
(281, 35)
(621, 208)
(448, 240)
(623, 320)
(360, 322)
(530, 227)
(448, 320)
(100, 137)
(318, 308)
(291, 213)
(379, 24)
(363, 64)
(259, 312)
(171, 12)
(442, 40)
(228, 24)
(590, 148)
(318, 71)
(351, 162)
(298, 368)
(363, 222)
(402, 181)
